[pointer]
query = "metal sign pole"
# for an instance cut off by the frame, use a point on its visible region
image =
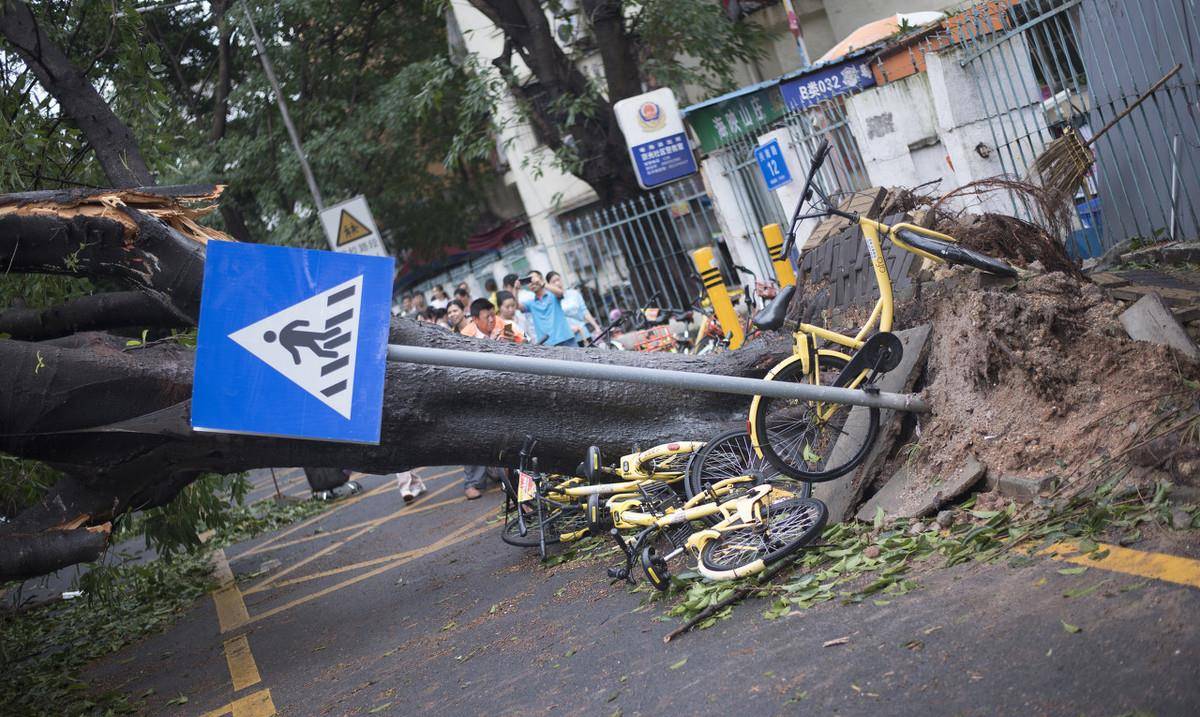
(283, 110)
(654, 377)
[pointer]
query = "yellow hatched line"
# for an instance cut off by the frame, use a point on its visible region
(1158, 566)
(366, 526)
(387, 487)
(374, 521)
(304, 524)
(414, 552)
(258, 704)
(457, 536)
(243, 670)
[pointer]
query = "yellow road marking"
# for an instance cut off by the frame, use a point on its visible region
(443, 474)
(242, 668)
(366, 526)
(1159, 566)
(304, 524)
(417, 552)
(373, 521)
(285, 483)
(231, 608)
(258, 704)
(451, 539)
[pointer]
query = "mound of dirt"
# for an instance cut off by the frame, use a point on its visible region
(1041, 380)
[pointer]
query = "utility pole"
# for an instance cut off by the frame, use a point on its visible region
(797, 32)
(283, 110)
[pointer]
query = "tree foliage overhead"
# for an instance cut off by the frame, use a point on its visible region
(125, 94)
(641, 44)
(187, 82)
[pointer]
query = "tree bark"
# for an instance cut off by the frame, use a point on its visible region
(98, 312)
(114, 144)
(25, 556)
(116, 420)
(595, 139)
(148, 239)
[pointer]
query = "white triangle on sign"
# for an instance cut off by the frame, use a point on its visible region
(313, 343)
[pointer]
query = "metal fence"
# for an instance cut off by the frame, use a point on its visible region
(1058, 63)
(625, 255)
(844, 172)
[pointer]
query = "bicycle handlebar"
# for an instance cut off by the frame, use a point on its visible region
(819, 158)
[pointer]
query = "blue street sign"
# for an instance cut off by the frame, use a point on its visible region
(816, 87)
(772, 164)
(663, 160)
(292, 343)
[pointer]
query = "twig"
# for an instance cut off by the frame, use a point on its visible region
(737, 596)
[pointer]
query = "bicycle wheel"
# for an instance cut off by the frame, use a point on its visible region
(556, 522)
(809, 440)
(786, 527)
(731, 454)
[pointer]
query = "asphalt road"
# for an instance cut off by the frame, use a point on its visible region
(379, 608)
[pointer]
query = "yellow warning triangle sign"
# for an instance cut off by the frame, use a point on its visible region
(350, 229)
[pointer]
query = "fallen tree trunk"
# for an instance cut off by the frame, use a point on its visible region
(98, 312)
(30, 555)
(115, 418)
(116, 421)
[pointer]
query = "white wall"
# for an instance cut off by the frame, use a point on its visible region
(739, 237)
(544, 189)
(886, 121)
(970, 137)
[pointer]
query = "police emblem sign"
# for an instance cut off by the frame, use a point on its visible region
(654, 133)
(292, 343)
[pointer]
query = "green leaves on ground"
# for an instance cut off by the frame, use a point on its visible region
(841, 570)
(45, 648)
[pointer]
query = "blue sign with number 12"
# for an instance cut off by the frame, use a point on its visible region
(772, 164)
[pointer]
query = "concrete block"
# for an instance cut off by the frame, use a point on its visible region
(842, 495)
(902, 497)
(1149, 255)
(1150, 320)
(1022, 488)
(1182, 253)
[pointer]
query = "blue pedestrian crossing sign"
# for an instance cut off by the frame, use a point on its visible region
(772, 164)
(292, 343)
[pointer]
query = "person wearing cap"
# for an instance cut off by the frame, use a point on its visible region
(546, 310)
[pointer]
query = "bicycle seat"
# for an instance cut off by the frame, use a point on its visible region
(772, 315)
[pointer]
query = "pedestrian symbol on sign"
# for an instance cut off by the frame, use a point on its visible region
(292, 342)
(325, 326)
(350, 229)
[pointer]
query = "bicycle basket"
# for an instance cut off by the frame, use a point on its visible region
(657, 497)
(658, 338)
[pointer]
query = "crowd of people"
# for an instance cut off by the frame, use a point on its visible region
(535, 308)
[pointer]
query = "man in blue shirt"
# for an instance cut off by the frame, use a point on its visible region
(547, 313)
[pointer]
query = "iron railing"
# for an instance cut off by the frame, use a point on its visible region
(625, 255)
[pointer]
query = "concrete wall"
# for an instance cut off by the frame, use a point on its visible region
(979, 126)
(544, 190)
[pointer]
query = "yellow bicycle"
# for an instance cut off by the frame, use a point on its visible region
(756, 524)
(542, 509)
(818, 441)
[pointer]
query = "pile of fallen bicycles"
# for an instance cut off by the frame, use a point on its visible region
(716, 500)
(742, 500)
